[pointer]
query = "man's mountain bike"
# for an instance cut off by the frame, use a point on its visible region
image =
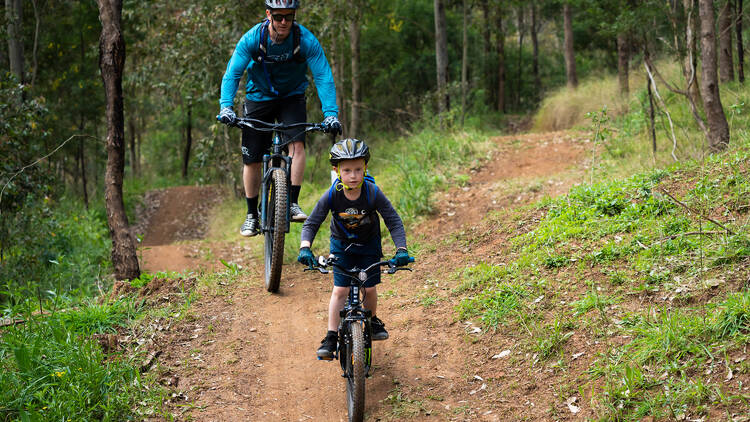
(354, 350)
(274, 192)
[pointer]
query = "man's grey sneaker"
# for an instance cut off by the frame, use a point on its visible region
(250, 226)
(296, 212)
(378, 329)
(327, 347)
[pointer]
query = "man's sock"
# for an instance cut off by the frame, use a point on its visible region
(294, 194)
(252, 205)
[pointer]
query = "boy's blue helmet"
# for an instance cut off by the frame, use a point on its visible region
(282, 4)
(349, 149)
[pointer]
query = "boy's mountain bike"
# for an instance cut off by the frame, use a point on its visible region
(354, 350)
(274, 192)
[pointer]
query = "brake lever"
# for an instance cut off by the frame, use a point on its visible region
(394, 269)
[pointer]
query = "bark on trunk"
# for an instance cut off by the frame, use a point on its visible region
(465, 62)
(354, 32)
(14, 18)
(690, 61)
(535, 49)
(740, 48)
(133, 157)
(487, 73)
(718, 129)
(441, 56)
(188, 141)
(337, 67)
(623, 58)
(519, 76)
(500, 63)
(570, 56)
(111, 64)
(726, 65)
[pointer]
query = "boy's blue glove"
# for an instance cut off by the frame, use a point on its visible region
(401, 258)
(306, 257)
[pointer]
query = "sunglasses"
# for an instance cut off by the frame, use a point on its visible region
(279, 17)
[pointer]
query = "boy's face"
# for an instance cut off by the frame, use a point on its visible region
(352, 172)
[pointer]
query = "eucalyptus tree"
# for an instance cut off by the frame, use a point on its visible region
(112, 64)
(718, 129)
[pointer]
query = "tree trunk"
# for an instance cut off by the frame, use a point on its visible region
(726, 65)
(535, 48)
(570, 55)
(354, 32)
(111, 64)
(14, 18)
(651, 115)
(623, 58)
(35, 47)
(188, 141)
(487, 73)
(519, 76)
(740, 48)
(718, 129)
(441, 57)
(337, 67)
(465, 62)
(133, 158)
(690, 61)
(500, 63)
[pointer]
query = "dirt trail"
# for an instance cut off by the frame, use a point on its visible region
(244, 354)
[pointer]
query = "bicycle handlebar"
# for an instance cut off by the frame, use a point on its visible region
(259, 125)
(324, 262)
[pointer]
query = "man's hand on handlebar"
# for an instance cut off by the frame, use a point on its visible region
(332, 125)
(227, 116)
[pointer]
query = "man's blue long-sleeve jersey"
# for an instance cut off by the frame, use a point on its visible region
(288, 77)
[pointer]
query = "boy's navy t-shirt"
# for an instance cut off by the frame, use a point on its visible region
(356, 221)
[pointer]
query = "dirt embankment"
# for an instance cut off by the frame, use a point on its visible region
(247, 355)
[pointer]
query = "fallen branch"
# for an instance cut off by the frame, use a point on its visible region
(7, 322)
(674, 236)
(705, 217)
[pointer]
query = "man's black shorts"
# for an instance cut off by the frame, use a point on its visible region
(287, 110)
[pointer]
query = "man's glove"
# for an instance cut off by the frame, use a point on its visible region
(306, 257)
(332, 125)
(227, 116)
(401, 258)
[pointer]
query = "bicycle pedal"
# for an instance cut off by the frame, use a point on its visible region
(326, 359)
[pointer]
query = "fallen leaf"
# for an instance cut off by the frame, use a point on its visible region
(502, 354)
(571, 405)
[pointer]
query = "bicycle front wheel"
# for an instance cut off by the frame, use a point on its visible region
(274, 236)
(355, 373)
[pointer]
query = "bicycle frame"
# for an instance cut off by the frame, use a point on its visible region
(270, 163)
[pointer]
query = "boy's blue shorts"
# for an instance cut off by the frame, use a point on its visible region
(356, 255)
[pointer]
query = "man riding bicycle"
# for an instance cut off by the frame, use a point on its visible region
(276, 54)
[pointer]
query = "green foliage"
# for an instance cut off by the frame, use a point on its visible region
(64, 251)
(52, 369)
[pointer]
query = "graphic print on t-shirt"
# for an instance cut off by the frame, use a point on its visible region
(352, 218)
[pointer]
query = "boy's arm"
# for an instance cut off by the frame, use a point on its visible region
(313, 222)
(392, 220)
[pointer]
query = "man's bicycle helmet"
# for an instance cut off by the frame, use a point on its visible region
(349, 149)
(282, 4)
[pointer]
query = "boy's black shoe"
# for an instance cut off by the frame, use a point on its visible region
(378, 329)
(328, 346)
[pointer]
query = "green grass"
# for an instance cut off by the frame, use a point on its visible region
(650, 263)
(51, 368)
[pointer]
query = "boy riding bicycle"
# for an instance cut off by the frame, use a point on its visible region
(354, 202)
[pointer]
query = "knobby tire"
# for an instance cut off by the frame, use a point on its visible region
(274, 241)
(355, 380)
